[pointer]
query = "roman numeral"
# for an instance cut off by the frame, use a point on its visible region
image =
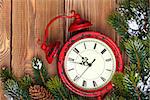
(95, 46)
(71, 69)
(70, 59)
(108, 69)
(103, 51)
(84, 83)
(94, 84)
(76, 78)
(84, 46)
(103, 79)
(107, 60)
(76, 50)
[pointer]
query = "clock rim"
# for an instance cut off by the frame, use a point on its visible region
(61, 71)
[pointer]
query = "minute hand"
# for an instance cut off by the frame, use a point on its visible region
(89, 65)
(84, 71)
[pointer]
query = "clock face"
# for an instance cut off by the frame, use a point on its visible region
(89, 64)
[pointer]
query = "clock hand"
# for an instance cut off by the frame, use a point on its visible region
(84, 60)
(90, 64)
(93, 61)
(81, 63)
(84, 71)
(81, 56)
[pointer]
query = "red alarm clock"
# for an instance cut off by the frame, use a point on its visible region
(87, 61)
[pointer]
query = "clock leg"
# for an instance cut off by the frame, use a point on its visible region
(99, 98)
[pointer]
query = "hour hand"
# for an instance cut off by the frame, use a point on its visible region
(90, 64)
(81, 63)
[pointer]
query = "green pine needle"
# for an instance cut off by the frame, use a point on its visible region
(114, 96)
(136, 47)
(55, 86)
(25, 82)
(131, 89)
(147, 64)
(131, 79)
(6, 74)
(132, 74)
(121, 44)
(59, 91)
(118, 22)
(40, 75)
(118, 81)
(143, 4)
(54, 83)
(12, 89)
(136, 52)
(37, 77)
(44, 73)
(18, 91)
(126, 84)
(145, 70)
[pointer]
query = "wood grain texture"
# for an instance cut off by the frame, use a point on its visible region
(20, 37)
(30, 18)
(5, 25)
(95, 11)
(5, 17)
(46, 11)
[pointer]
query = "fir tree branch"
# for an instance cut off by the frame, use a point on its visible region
(12, 88)
(61, 94)
(131, 80)
(55, 85)
(136, 46)
(6, 74)
(42, 77)
(59, 91)
(40, 72)
(118, 22)
(136, 52)
(25, 82)
(138, 60)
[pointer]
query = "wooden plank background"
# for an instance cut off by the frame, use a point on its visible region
(21, 20)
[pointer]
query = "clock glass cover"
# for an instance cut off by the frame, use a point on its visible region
(90, 64)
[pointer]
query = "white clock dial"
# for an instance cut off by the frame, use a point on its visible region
(90, 64)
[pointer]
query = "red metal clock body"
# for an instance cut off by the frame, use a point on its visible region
(87, 61)
(100, 91)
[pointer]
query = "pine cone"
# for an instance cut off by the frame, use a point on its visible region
(38, 92)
